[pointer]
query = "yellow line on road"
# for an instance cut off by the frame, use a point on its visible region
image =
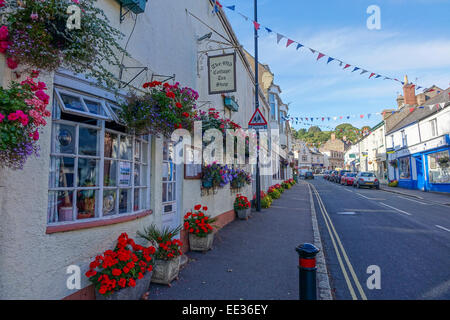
(344, 253)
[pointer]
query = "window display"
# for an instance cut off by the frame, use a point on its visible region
(404, 168)
(439, 167)
(83, 152)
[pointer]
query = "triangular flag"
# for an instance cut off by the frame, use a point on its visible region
(231, 7)
(411, 109)
(312, 50)
(245, 17)
(378, 76)
(279, 37)
(346, 66)
(299, 46)
(268, 30)
(364, 71)
(289, 42)
(356, 68)
(256, 24)
(371, 75)
(330, 59)
(320, 56)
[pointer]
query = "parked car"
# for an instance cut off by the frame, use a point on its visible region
(340, 174)
(326, 174)
(348, 179)
(366, 179)
(309, 175)
(332, 176)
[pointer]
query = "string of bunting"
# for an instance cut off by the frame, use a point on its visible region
(299, 46)
(296, 120)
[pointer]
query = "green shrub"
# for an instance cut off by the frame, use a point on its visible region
(266, 202)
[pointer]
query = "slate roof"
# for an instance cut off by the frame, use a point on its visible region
(421, 113)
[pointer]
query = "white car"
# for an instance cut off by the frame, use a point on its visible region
(366, 179)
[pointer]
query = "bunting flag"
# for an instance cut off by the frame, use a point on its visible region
(257, 26)
(279, 37)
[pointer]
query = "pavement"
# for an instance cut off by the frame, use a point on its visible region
(252, 259)
(437, 197)
(407, 239)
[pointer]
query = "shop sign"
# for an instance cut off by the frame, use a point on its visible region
(222, 73)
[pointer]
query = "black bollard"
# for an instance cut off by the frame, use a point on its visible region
(307, 270)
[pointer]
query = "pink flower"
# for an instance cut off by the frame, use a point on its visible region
(12, 64)
(4, 33)
(2, 3)
(42, 96)
(34, 16)
(13, 116)
(42, 86)
(36, 135)
(1, 117)
(4, 45)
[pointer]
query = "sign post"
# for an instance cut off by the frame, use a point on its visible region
(258, 177)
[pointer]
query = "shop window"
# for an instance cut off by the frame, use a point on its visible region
(404, 168)
(439, 167)
(95, 172)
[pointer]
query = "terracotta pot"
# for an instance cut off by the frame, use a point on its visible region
(201, 243)
(244, 213)
(165, 271)
(129, 293)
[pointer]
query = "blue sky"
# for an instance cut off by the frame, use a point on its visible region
(414, 39)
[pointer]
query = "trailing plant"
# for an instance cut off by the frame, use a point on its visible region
(443, 161)
(121, 267)
(241, 203)
(38, 37)
(161, 110)
(239, 178)
(393, 163)
(168, 248)
(197, 222)
(22, 114)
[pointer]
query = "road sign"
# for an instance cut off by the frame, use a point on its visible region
(258, 121)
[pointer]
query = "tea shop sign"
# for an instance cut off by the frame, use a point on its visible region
(222, 73)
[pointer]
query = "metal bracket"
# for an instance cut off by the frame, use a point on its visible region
(122, 15)
(166, 78)
(137, 75)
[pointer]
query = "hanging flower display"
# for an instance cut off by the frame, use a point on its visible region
(36, 35)
(161, 110)
(22, 114)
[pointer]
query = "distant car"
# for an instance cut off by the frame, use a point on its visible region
(348, 179)
(309, 175)
(332, 176)
(366, 179)
(326, 174)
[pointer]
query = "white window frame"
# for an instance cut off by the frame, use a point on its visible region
(434, 129)
(100, 185)
(82, 97)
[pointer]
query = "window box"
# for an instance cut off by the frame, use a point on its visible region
(231, 104)
(136, 6)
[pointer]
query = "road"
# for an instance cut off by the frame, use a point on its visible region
(407, 238)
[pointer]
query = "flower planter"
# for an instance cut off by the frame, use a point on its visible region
(207, 184)
(165, 271)
(244, 213)
(129, 293)
(201, 243)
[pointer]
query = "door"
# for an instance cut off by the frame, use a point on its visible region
(170, 187)
(419, 170)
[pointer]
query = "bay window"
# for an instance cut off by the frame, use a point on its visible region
(97, 169)
(439, 167)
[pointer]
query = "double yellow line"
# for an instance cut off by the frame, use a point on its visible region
(338, 244)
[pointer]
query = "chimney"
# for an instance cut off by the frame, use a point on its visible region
(333, 136)
(409, 92)
(344, 138)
